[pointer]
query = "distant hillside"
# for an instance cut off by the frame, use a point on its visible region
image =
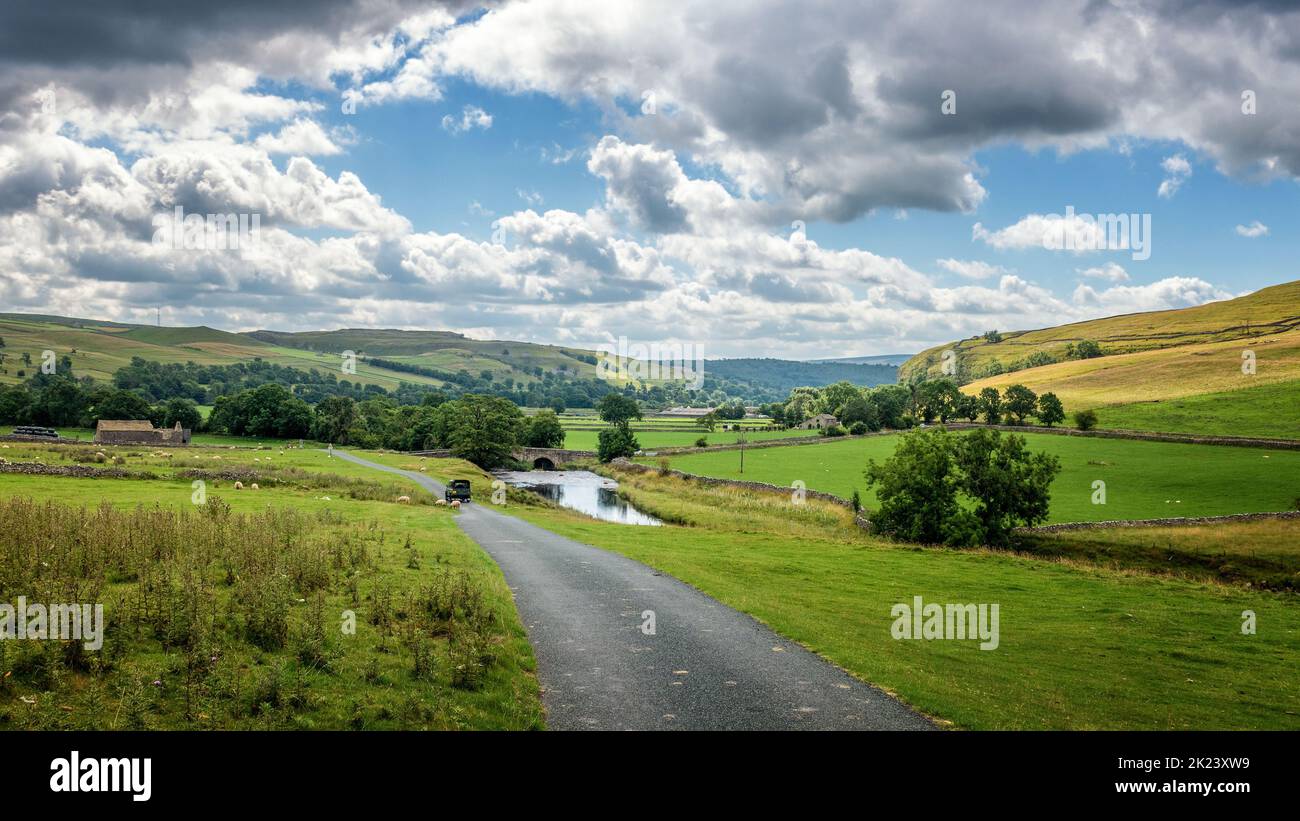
(1265, 313)
(389, 358)
(777, 377)
(1147, 357)
(880, 359)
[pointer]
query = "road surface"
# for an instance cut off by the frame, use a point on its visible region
(706, 666)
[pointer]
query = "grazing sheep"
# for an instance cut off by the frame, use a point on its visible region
(239, 485)
(404, 500)
(455, 503)
(254, 486)
(440, 502)
(422, 470)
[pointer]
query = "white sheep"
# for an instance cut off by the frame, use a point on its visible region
(239, 485)
(404, 500)
(254, 486)
(455, 503)
(440, 502)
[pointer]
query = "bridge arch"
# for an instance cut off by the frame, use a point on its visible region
(542, 463)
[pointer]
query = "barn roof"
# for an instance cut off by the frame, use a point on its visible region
(124, 424)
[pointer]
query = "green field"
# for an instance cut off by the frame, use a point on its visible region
(1080, 647)
(1144, 480)
(1265, 410)
(649, 438)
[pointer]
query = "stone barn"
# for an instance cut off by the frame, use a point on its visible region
(139, 432)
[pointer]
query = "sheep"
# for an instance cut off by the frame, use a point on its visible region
(455, 503)
(403, 500)
(239, 485)
(254, 486)
(440, 502)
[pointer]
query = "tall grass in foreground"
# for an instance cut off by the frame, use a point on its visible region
(219, 619)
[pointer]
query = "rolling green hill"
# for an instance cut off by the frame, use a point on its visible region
(390, 357)
(1154, 358)
(1263, 315)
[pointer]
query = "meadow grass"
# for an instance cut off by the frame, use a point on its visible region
(1263, 553)
(1143, 480)
(233, 620)
(1080, 647)
(1261, 410)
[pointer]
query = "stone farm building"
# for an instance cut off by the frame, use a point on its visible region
(821, 420)
(138, 432)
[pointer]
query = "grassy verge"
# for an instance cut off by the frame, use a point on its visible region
(1263, 554)
(1080, 647)
(235, 619)
(1143, 480)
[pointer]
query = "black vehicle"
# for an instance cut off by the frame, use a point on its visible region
(34, 430)
(457, 490)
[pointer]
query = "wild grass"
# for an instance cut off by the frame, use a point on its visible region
(1263, 553)
(217, 618)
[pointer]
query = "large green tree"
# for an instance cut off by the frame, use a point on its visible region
(1020, 402)
(484, 429)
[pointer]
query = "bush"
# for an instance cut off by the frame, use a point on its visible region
(834, 430)
(1003, 485)
(701, 442)
(616, 442)
(858, 428)
(1085, 419)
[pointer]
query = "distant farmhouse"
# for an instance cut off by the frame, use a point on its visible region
(138, 432)
(821, 420)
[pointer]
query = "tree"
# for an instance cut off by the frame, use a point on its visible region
(1020, 402)
(1085, 419)
(543, 431)
(484, 429)
(860, 411)
(990, 405)
(960, 489)
(1084, 349)
(1008, 485)
(835, 396)
(120, 404)
(936, 398)
(335, 416)
(708, 421)
(181, 410)
(966, 407)
(615, 442)
(618, 409)
(917, 488)
(1050, 409)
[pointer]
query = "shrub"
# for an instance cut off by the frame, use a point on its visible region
(858, 428)
(1085, 419)
(701, 442)
(834, 430)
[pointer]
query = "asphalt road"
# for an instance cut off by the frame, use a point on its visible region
(706, 667)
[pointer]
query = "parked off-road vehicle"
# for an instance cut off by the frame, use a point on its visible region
(457, 490)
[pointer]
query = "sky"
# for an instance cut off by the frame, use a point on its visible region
(795, 180)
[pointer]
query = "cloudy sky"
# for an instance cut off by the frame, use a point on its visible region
(791, 179)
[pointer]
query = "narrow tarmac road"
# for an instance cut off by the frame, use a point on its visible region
(706, 667)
